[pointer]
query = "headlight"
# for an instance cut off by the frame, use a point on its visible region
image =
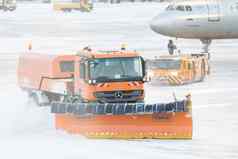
(138, 92)
(91, 81)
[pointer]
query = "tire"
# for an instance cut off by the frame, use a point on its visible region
(35, 99)
(42, 99)
(52, 97)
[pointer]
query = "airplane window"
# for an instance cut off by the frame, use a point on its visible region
(170, 7)
(180, 8)
(188, 8)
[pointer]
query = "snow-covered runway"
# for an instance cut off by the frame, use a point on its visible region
(28, 132)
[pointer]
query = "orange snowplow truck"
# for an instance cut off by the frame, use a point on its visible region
(179, 69)
(101, 95)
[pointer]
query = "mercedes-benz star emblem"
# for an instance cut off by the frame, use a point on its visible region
(118, 94)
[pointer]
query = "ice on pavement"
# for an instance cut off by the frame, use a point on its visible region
(27, 131)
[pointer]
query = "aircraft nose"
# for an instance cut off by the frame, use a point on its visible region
(160, 25)
(154, 25)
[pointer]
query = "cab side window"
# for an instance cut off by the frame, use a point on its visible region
(82, 70)
(67, 66)
(180, 8)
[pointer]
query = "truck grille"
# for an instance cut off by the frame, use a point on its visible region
(118, 96)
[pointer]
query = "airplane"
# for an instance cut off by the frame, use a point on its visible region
(198, 19)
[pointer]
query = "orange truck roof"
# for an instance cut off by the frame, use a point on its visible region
(183, 56)
(108, 54)
(32, 67)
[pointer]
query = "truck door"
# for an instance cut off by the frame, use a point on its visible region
(188, 72)
(214, 10)
(82, 77)
(194, 69)
(185, 70)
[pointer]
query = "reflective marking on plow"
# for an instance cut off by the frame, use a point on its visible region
(126, 127)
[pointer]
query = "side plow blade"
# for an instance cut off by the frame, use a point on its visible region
(156, 121)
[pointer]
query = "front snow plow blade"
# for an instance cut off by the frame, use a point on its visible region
(126, 121)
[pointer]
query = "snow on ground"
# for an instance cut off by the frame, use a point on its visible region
(28, 132)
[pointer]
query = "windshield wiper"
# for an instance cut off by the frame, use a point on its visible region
(130, 77)
(102, 78)
(123, 78)
(127, 76)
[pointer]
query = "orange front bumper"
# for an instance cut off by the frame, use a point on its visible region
(168, 125)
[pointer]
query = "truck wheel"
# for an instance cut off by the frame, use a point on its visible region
(32, 96)
(78, 100)
(40, 98)
(35, 99)
(52, 97)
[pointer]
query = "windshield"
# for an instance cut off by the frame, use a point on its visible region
(116, 69)
(167, 64)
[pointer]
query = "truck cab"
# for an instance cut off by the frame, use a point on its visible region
(110, 77)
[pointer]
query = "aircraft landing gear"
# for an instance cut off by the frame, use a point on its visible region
(206, 43)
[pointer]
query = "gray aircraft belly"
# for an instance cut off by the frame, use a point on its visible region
(210, 22)
(201, 28)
